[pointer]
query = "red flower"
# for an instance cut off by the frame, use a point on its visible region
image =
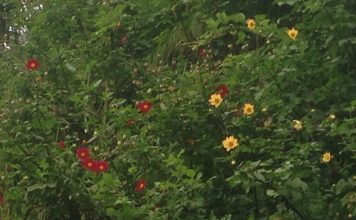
(1, 200)
(140, 185)
(130, 122)
(202, 52)
(89, 164)
(144, 106)
(101, 166)
(83, 153)
(222, 90)
(61, 144)
(33, 64)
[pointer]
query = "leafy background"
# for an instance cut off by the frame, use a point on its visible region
(100, 57)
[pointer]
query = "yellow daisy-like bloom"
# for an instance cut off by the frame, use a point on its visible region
(297, 125)
(250, 24)
(292, 33)
(326, 158)
(215, 100)
(332, 117)
(230, 143)
(249, 109)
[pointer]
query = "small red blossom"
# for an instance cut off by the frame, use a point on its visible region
(101, 166)
(83, 153)
(1, 200)
(61, 144)
(89, 164)
(222, 90)
(140, 185)
(33, 64)
(202, 52)
(144, 106)
(130, 122)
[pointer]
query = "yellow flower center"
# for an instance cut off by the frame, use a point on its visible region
(101, 167)
(215, 100)
(82, 154)
(292, 33)
(297, 125)
(326, 157)
(141, 185)
(230, 143)
(145, 106)
(250, 24)
(33, 65)
(90, 164)
(248, 109)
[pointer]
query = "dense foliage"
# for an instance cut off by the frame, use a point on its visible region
(177, 109)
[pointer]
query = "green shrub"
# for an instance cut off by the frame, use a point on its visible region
(137, 84)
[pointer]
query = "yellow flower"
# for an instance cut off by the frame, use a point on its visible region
(230, 143)
(332, 117)
(233, 162)
(215, 100)
(326, 157)
(297, 125)
(292, 33)
(250, 24)
(249, 109)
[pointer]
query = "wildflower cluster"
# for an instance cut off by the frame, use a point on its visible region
(83, 154)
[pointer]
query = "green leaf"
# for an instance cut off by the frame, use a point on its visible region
(190, 173)
(340, 186)
(97, 83)
(238, 18)
(222, 18)
(40, 186)
(212, 24)
(107, 179)
(272, 193)
(70, 67)
(285, 2)
(298, 184)
(259, 176)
